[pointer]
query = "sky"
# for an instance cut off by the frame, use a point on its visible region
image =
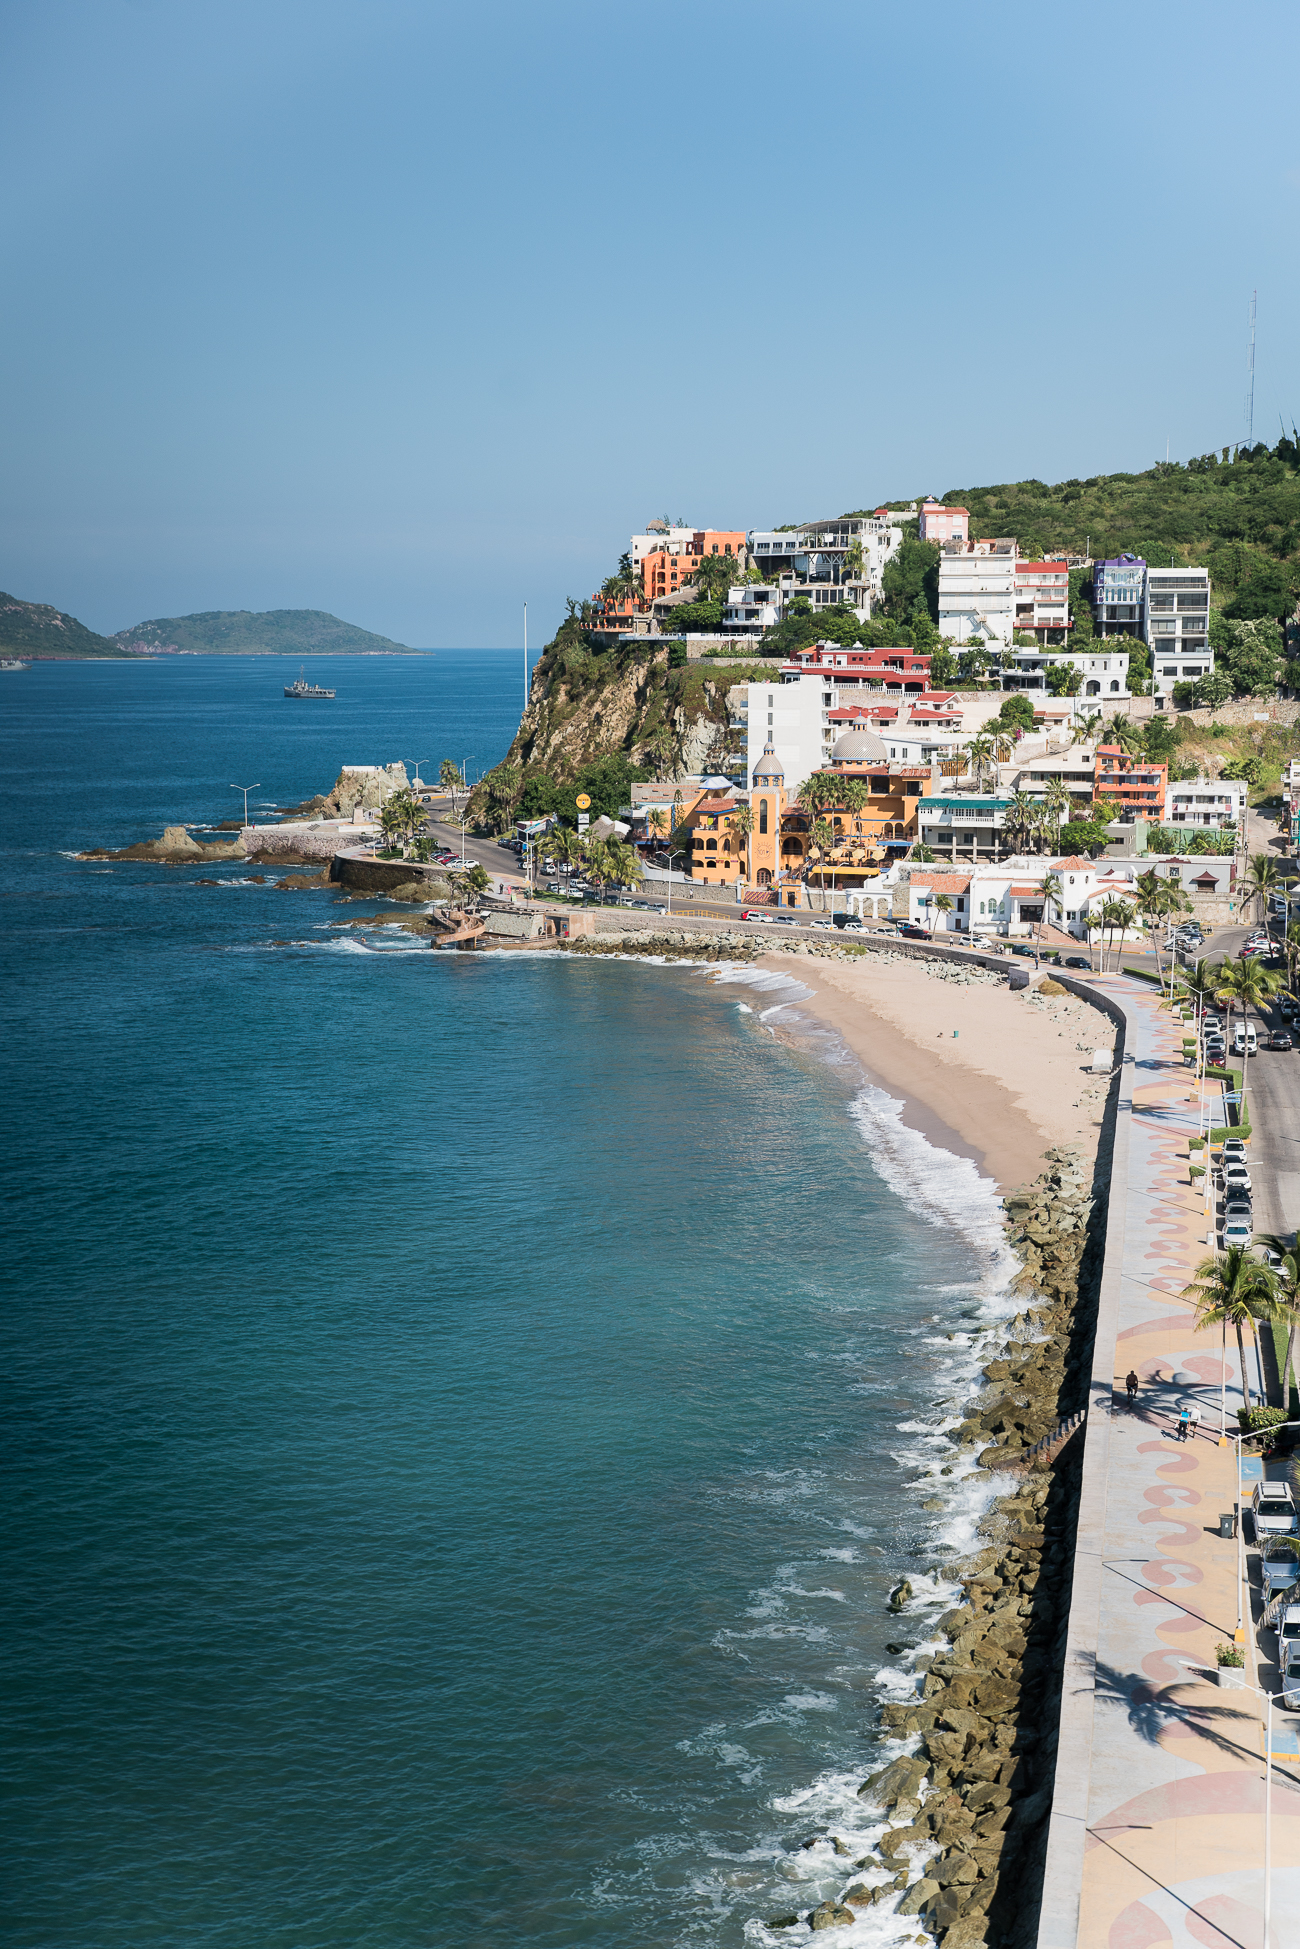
(415, 312)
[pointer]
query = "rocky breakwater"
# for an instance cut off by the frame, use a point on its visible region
(966, 1802)
(669, 944)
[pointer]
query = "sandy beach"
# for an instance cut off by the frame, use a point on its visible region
(985, 1072)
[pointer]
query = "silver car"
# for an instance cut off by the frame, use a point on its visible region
(1274, 1510)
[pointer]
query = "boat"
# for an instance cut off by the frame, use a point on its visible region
(11, 663)
(303, 689)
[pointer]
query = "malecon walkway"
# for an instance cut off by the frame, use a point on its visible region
(1157, 1830)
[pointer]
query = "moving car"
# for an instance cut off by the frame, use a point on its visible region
(911, 932)
(1274, 1510)
(1018, 947)
(1076, 961)
(1280, 1040)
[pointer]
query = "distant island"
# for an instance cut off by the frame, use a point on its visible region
(249, 632)
(35, 629)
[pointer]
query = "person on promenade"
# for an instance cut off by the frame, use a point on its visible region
(1184, 1423)
(1194, 1421)
(1131, 1383)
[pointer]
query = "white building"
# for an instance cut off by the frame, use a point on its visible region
(977, 591)
(1119, 594)
(676, 540)
(806, 711)
(1104, 672)
(1208, 802)
(753, 607)
(836, 561)
(1177, 614)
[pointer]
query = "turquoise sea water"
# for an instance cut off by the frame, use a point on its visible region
(465, 1412)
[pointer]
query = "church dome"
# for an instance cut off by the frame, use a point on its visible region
(769, 768)
(859, 748)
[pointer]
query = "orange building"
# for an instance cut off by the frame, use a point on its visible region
(667, 569)
(1139, 786)
(717, 855)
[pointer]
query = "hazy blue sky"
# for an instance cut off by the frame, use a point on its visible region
(412, 311)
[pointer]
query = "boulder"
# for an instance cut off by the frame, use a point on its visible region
(919, 1896)
(831, 1915)
(859, 1895)
(987, 1798)
(899, 1595)
(954, 1869)
(897, 1781)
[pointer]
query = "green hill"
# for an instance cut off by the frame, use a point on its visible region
(34, 629)
(1239, 517)
(247, 632)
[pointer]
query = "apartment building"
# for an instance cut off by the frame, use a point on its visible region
(668, 568)
(751, 607)
(1137, 785)
(1206, 802)
(1119, 586)
(1075, 769)
(824, 562)
(1104, 672)
(965, 826)
(1043, 599)
(1178, 615)
(940, 523)
(977, 590)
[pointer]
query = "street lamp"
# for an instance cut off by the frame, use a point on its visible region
(246, 789)
(1268, 1697)
(417, 783)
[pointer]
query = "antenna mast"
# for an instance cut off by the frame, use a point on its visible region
(1250, 376)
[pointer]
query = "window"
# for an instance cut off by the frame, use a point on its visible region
(762, 815)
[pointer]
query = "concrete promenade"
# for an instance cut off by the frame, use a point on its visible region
(1157, 1828)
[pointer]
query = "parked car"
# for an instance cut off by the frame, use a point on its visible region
(822, 923)
(1076, 961)
(1288, 1008)
(754, 913)
(1279, 1569)
(1280, 1040)
(1019, 947)
(1212, 1024)
(1239, 1208)
(1233, 1147)
(1273, 1507)
(1236, 1177)
(1237, 1231)
(911, 932)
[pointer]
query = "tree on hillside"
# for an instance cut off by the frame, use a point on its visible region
(1253, 656)
(1263, 881)
(451, 779)
(714, 576)
(1064, 680)
(912, 574)
(1268, 591)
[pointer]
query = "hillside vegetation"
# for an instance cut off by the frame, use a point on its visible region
(248, 632)
(34, 629)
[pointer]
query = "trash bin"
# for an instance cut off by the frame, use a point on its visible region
(1228, 1524)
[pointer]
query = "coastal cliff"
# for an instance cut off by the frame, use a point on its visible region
(627, 709)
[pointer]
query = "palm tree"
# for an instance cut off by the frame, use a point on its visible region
(1287, 1283)
(1021, 814)
(823, 838)
(392, 820)
(657, 823)
(1200, 986)
(980, 753)
(467, 886)
(1155, 899)
(1116, 916)
(1051, 898)
(625, 867)
(1249, 985)
(1234, 1290)
(1057, 803)
(1124, 732)
(1261, 883)
(1085, 729)
(451, 779)
(939, 904)
(742, 824)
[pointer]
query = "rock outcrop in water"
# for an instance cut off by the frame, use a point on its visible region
(175, 848)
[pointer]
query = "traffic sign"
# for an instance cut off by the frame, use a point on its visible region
(583, 802)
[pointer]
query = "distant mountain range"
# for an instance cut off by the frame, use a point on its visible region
(248, 632)
(36, 629)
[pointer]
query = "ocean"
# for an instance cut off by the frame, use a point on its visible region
(466, 1412)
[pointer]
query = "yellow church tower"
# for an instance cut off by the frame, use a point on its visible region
(766, 804)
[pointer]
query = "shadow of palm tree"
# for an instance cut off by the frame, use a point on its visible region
(1232, 1729)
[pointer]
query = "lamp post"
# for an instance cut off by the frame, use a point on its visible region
(417, 783)
(246, 789)
(1268, 1698)
(671, 858)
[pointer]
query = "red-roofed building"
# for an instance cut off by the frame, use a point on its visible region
(1043, 599)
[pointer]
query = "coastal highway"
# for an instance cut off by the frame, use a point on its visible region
(1273, 1084)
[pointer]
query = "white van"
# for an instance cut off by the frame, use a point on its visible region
(1245, 1041)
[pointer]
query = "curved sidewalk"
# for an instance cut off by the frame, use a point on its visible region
(1157, 1829)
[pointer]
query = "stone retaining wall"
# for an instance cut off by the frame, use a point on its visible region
(314, 840)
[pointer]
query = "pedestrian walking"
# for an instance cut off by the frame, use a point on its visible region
(1131, 1383)
(1194, 1418)
(1184, 1423)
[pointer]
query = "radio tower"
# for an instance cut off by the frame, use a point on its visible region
(1250, 376)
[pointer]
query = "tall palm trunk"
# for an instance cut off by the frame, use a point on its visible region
(1286, 1365)
(1241, 1354)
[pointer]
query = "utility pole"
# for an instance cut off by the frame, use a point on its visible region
(525, 656)
(1250, 376)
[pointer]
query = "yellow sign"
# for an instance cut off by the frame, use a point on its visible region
(583, 801)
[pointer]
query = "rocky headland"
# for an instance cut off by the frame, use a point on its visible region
(175, 848)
